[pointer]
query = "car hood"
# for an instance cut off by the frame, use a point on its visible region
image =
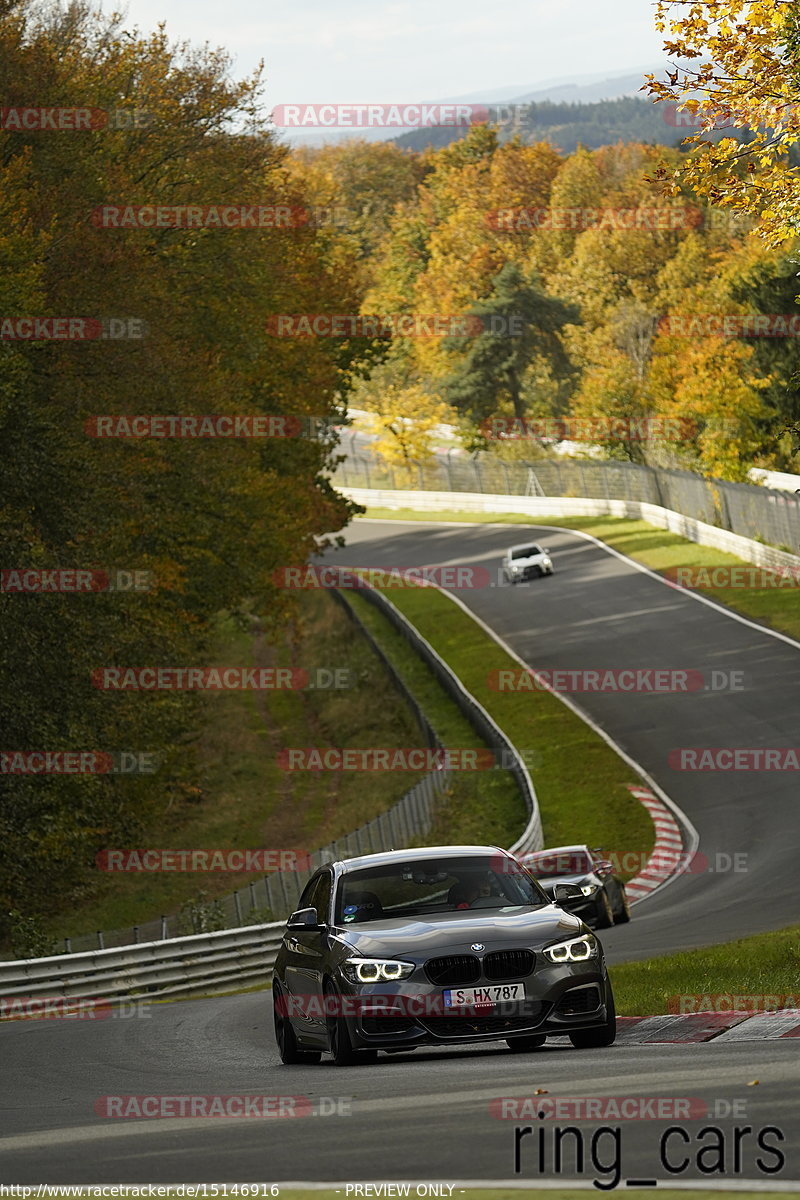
(454, 933)
(532, 558)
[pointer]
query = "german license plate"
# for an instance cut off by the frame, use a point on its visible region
(492, 993)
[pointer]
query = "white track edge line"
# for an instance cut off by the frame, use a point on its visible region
(693, 838)
(728, 612)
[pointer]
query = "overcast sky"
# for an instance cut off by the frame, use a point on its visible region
(411, 50)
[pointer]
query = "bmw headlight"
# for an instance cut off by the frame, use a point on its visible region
(589, 889)
(375, 970)
(575, 950)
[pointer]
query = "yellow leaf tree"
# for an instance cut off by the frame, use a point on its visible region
(740, 68)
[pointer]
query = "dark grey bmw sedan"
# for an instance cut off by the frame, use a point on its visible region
(435, 946)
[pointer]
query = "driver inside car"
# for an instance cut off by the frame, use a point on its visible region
(464, 893)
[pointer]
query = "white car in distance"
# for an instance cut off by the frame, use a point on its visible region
(528, 560)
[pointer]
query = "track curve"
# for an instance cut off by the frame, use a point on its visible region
(426, 1115)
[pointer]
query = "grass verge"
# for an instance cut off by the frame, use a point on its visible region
(766, 964)
(579, 780)
(480, 807)
(245, 800)
(776, 607)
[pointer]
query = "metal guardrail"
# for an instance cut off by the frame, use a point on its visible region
(206, 962)
(232, 959)
(761, 513)
(486, 728)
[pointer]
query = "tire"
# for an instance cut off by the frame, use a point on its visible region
(604, 917)
(624, 914)
(522, 1045)
(290, 1053)
(603, 1035)
(342, 1050)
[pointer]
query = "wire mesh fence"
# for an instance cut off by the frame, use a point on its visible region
(746, 509)
(274, 896)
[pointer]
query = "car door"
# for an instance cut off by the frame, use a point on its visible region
(305, 950)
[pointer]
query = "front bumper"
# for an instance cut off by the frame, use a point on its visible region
(532, 572)
(557, 1001)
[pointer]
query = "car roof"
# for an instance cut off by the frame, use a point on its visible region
(418, 852)
(521, 546)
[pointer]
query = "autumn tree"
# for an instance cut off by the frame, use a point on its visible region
(521, 324)
(210, 519)
(738, 69)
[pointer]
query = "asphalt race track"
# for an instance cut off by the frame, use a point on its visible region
(427, 1115)
(424, 1115)
(599, 611)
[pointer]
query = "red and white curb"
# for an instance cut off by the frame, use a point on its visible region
(709, 1026)
(668, 852)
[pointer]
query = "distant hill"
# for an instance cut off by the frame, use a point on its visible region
(588, 89)
(568, 125)
(564, 89)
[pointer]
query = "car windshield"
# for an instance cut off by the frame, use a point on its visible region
(549, 864)
(526, 551)
(438, 885)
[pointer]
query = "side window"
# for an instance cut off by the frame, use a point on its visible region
(322, 895)
(307, 898)
(317, 894)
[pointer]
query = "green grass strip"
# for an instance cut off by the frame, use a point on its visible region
(766, 964)
(481, 807)
(579, 780)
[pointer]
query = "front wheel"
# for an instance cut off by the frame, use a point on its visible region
(624, 914)
(603, 1035)
(290, 1053)
(343, 1051)
(522, 1045)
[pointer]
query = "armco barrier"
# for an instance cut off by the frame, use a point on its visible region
(205, 962)
(475, 713)
(760, 513)
(571, 506)
(244, 957)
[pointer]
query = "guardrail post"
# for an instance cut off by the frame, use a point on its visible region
(238, 905)
(68, 945)
(252, 896)
(282, 882)
(100, 944)
(163, 928)
(135, 934)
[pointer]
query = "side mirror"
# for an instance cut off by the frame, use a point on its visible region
(304, 918)
(603, 867)
(566, 891)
